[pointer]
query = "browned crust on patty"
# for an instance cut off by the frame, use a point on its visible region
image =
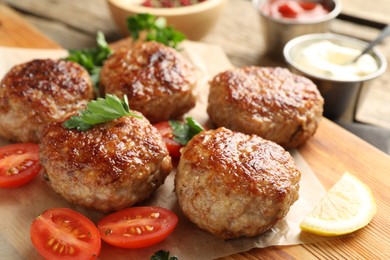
(39, 92)
(157, 80)
(270, 102)
(232, 184)
(109, 167)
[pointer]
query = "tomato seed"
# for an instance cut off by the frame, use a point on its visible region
(62, 248)
(155, 215)
(12, 171)
(50, 242)
(149, 228)
(55, 247)
(132, 230)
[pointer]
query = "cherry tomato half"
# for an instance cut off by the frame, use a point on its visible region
(19, 164)
(165, 130)
(137, 227)
(62, 233)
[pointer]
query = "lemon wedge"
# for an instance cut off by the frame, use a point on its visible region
(348, 206)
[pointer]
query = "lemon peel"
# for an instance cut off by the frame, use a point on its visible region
(348, 206)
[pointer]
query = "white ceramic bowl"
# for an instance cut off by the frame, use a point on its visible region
(194, 21)
(339, 93)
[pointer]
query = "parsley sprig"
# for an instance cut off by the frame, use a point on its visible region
(100, 111)
(162, 255)
(156, 29)
(183, 132)
(92, 58)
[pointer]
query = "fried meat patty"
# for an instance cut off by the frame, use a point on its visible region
(270, 102)
(39, 92)
(235, 185)
(157, 80)
(109, 167)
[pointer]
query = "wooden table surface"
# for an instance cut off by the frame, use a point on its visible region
(329, 153)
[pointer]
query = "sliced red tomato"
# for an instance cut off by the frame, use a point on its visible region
(19, 164)
(137, 227)
(165, 130)
(62, 233)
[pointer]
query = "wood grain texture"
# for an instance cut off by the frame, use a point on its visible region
(97, 18)
(14, 31)
(377, 11)
(60, 33)
(63, 26)
(329, 153)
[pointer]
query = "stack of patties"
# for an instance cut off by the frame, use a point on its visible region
(119, 163)
(242, 182)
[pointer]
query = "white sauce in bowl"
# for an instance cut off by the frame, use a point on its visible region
(325, 58)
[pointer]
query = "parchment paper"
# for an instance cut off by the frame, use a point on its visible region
(19, 207)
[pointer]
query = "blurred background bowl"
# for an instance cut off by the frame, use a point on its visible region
(339, 93)
(195, 21)
(278, 31)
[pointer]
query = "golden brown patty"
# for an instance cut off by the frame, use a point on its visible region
(270, 102)
(232, 184)
(109, 167)
(157, 80)
(39, 92)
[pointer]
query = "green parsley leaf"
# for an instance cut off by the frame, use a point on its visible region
(156, 29)
(138, 23)
(183, 132)
(92, 58)
(100, 111)
(195, 127)
(162, 255)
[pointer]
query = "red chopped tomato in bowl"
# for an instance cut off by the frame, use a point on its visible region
(294, 9)
(170, 3)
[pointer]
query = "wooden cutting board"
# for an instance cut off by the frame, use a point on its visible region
(329, 153)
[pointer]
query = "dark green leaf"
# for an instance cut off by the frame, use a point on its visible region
(76, 122)
(95, 76)
(195, 127)
(138, 23)
(92, 59)
(125, 103)
(100, 111)
(156, 29)
(183, 132)
(162, 255)
(180, 132)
